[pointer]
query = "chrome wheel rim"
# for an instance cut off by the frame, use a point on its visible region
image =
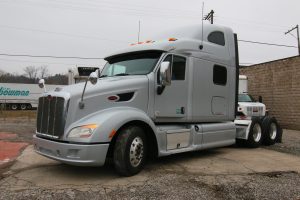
(14, 107)
(273, 131)
(257, 132)
(136, 151)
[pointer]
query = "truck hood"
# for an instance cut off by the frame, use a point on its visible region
(133, 91)
(106, 84)
(250, 109)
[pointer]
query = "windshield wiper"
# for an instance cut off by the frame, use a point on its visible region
(103, 76)
(121, 74)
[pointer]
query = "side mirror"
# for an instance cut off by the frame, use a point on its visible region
(260, 99)
(42, 83)
(165, 73)
(93, 78)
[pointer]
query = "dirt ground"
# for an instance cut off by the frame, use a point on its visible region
(224, 173)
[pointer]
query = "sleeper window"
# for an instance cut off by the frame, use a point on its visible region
(220, 75)
(217, 37)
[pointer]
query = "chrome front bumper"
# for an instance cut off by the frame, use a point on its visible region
(73, 154)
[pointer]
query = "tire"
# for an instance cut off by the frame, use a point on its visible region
(271, 130)
(23, 106)
(14, 107)
(29, 107)
(130, 151)
(255, 136)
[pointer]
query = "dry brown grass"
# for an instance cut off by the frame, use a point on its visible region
(18, 113)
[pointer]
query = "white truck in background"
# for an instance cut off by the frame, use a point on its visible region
(19, 96)
(248, 108)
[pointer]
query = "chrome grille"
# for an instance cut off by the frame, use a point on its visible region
(51, 116)
(254, 111)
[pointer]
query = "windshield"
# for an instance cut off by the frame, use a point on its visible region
(245, 98)
(131, 64)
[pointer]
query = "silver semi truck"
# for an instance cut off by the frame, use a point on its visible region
(155, 98)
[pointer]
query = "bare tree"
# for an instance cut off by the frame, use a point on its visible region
(2, 72)
(44, 72)
(31, 72)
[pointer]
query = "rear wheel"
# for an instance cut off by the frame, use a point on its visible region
(255, 136)
(29, 107)
(23, 106)
(14, 106)
(271, 130)
(130, 151)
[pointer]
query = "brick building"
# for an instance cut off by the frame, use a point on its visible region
(278, 82)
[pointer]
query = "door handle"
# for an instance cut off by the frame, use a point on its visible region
(182, 109)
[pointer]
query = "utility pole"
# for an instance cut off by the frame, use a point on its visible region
(210, 16)
(296, 27)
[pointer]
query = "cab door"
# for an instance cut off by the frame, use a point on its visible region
(171, 103)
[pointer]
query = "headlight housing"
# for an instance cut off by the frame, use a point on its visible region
(84, 131)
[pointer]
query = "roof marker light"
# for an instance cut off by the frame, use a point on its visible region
(172, 39)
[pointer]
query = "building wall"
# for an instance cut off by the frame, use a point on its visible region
(278, 82)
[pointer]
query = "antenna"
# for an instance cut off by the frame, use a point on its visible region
(201, 46)
(139, 31)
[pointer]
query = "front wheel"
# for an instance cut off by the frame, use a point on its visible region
(130, 151)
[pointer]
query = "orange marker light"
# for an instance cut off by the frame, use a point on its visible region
(112, 133)
(172, 39)
(92, 126)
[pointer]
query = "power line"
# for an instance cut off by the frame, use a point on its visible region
(49, 56)
(265, 43)
(135, 12)
(250, 22)
(27, 61)
(101, 58)
(59, 33)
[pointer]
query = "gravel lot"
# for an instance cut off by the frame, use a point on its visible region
(163, 178)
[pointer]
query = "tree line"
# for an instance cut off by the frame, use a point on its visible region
(32, 75)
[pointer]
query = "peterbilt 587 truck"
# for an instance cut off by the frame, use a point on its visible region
(155, 98)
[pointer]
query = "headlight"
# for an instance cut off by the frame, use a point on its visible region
(82, 131)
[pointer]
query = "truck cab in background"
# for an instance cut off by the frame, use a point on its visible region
(247, 106)
(155, 98)
(249, 109)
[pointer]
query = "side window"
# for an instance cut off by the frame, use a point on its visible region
(118, 69)
(220, 75)
(169, 59)
(115, 69)
(178, 68)
(217, 37)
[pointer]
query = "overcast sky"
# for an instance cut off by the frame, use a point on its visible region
(95, 28)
